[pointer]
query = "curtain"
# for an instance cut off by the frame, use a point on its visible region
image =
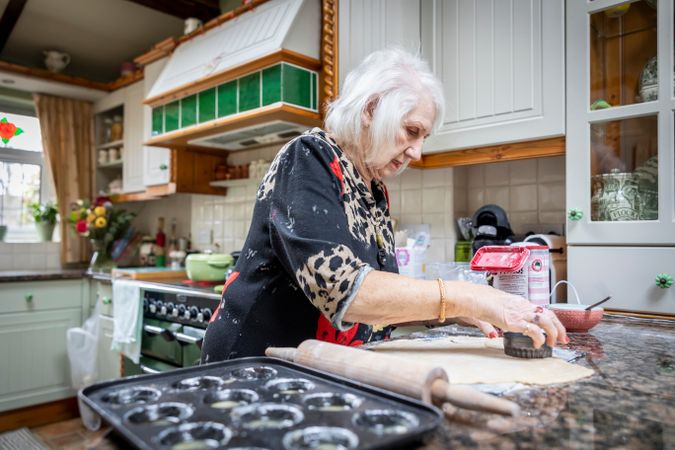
(67, 140)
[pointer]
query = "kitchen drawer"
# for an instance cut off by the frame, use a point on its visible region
(40, 295)
(626, 273)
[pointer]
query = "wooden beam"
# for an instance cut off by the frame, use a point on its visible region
(203, 10)
(36, 415)
(47, 75)
(9, 19)
(495, 153)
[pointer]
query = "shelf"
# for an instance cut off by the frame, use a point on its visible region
(111, 144)
(235, 183)
(111, 165)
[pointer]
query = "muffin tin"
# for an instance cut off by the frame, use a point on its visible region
(262, 403)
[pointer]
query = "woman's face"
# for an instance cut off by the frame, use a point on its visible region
(415, 128)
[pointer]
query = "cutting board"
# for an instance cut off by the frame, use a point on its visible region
(149, 273)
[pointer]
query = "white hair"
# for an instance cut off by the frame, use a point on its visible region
(389, 83)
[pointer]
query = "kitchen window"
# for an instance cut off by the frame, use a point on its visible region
(23, 178)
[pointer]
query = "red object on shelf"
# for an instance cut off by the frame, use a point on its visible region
(194, 283)
(500, 258)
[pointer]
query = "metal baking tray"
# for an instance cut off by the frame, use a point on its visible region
(253, 403)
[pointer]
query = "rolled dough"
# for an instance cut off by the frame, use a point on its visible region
(479, 360)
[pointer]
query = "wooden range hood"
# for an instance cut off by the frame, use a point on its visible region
(251, 81)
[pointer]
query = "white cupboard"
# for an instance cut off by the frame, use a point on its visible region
(620, 160)
(34, 317)
(502, 64)
(156, 160)
(369, 25)
(133, 138)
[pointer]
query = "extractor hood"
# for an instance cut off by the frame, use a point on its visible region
(251, 81)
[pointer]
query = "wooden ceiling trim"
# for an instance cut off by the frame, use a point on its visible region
(9, 19)
(47, 75)
(495, 153)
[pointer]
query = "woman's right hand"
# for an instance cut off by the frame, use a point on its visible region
(506, 311)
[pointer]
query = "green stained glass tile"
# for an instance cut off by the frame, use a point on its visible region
(157, 120)
(297, 85)
(207, 105)
(249, 92)
(315, 92)
(271, 85)
(227, 99)
(171, 116)
(188, 111)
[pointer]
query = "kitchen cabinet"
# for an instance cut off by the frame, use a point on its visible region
(108, 363)
(125, 106)
(503, 76)
(34, 317)
(156, 160)
(502, 68)
(369, 25)
(620, 162)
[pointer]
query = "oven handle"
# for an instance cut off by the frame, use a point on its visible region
(146, 369)
(166, 334)
(186, 339)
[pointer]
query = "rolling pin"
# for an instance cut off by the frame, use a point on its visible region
(393, 373)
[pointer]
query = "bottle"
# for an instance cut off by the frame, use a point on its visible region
(173, 239)
(160, 243)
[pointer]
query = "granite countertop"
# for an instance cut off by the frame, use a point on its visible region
(7, 276)
(628, 403)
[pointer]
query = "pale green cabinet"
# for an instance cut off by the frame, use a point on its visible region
(34, 318)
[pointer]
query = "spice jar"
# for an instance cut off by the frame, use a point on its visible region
(117, 128)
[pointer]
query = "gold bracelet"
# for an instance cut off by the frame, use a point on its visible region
(441, 287)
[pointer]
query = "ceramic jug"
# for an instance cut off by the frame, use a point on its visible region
(56, 61)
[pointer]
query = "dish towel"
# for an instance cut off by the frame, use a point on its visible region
(128, 319)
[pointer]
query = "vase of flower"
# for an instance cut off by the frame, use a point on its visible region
(45, 216)
(101, 261)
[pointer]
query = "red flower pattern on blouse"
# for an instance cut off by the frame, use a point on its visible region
(335, 167)
(325, 332)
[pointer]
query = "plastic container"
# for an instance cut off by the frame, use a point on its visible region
(507, 264)
(258, 402)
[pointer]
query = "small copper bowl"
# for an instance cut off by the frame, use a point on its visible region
(575, 318)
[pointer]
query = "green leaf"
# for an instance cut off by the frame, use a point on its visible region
(4, 119)
(5, 141)
(18, 132)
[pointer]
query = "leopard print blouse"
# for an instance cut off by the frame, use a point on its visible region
(316, 232)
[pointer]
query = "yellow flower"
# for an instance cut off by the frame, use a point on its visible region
(99, 211)
(100, 222)
(91, 217)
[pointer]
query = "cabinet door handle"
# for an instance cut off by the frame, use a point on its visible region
(664, 280)
(163, 167)
(29, 297)
(146, 369)
(106, 300)
(575, 214)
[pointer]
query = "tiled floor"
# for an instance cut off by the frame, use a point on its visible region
(71, 435)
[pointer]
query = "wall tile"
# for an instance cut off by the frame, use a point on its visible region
(171, 116)
(498, 196)
(207, 105)
(296, 86)
(523, 172)
(395, 203)
(518, 220)
(6, 260)
(523, 198)
(227, 99)
(555, 217)
(437, 224)
(433, 178)
(551, 169)
(460, 205)
(475, 198)
(460, 176)
(249, 92)
(411, 201)
(271, 80)
(497, 174)
(476, 176)
(411, 179)
(157, 120)
(433, 200)
(188, 111)
(551, 196)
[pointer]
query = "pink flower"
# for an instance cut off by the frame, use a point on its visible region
(81, 226)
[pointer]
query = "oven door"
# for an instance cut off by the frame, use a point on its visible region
(159, 341)
(191, 339)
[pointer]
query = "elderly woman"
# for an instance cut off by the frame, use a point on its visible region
(319, 261)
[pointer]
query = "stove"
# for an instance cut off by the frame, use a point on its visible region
(175, 317)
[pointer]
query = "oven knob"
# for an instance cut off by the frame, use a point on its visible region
(194, 311)
(170, 309)
(206, 314)
(152, 307)
(180, 311)
(160, 309)
(186, 314)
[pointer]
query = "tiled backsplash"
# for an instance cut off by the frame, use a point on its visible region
(29, 256)
(532, 192)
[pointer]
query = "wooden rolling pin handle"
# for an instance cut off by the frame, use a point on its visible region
(285, 353)
(468, 398)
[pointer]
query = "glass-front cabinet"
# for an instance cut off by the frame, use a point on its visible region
(620, 122)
